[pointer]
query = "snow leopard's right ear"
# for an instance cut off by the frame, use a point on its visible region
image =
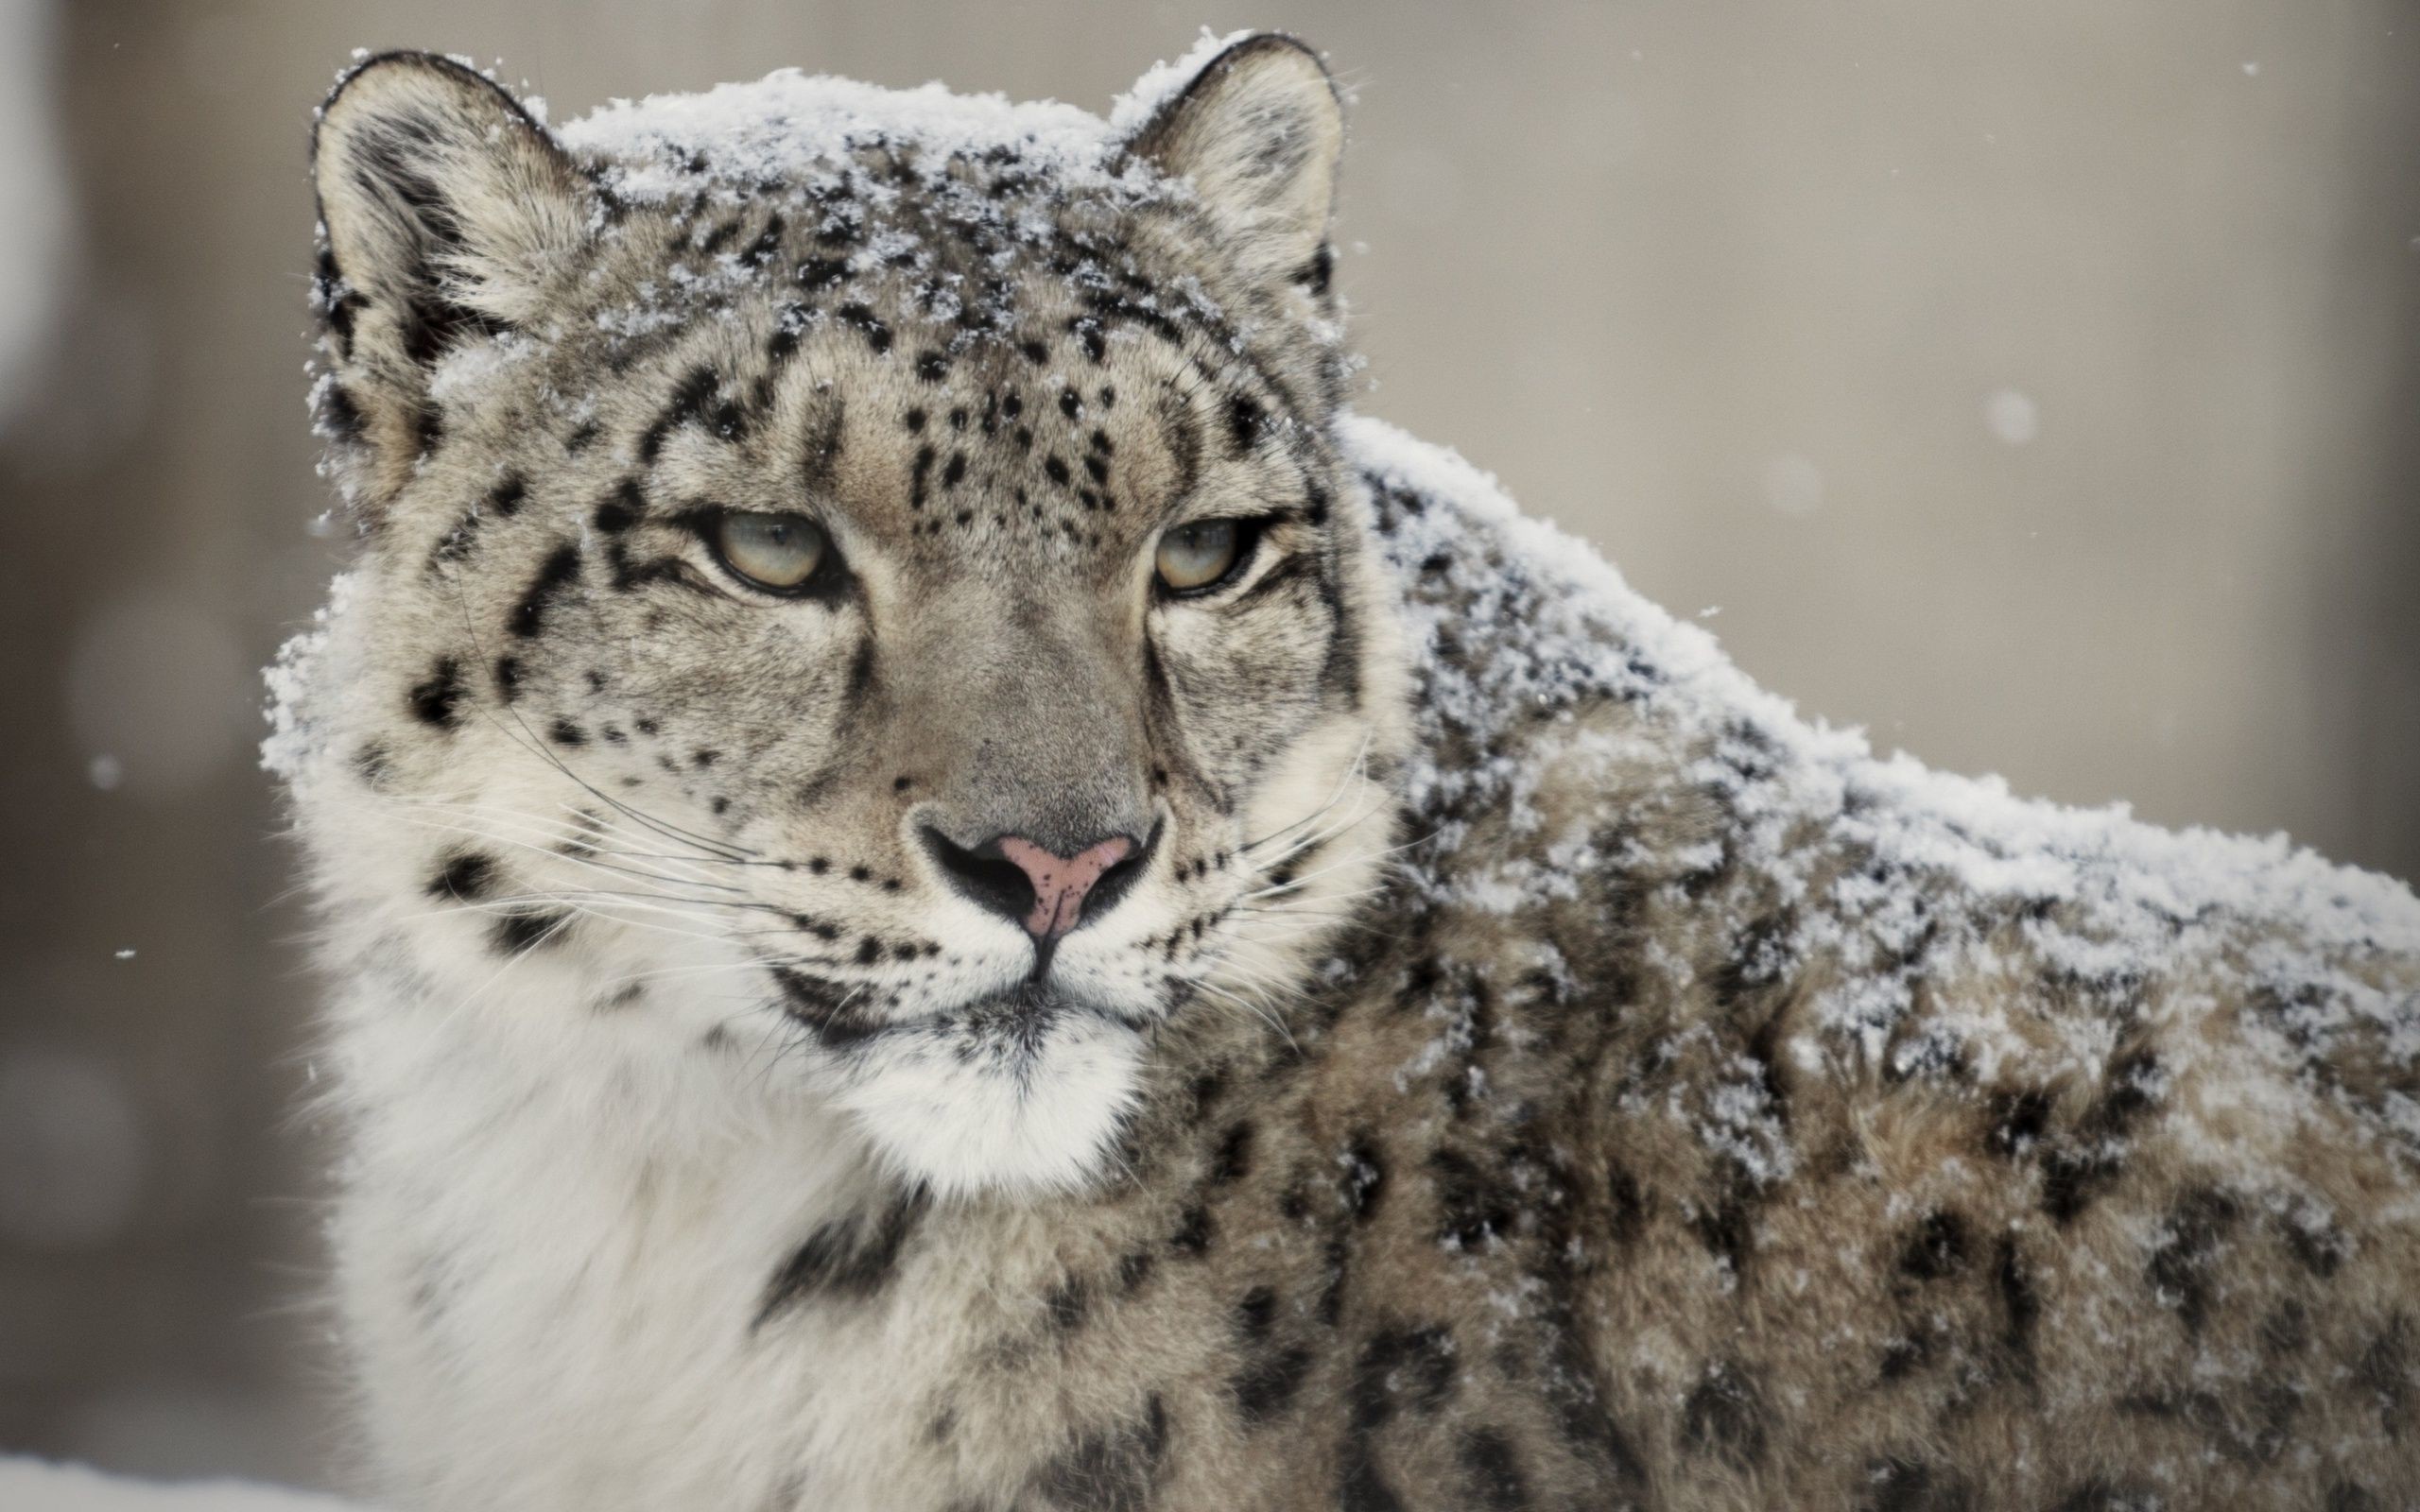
(1258, 133)
(448, 213)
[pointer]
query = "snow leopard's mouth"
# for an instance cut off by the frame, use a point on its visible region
(1016, 1022)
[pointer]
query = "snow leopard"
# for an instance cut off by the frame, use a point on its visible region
(947, 884)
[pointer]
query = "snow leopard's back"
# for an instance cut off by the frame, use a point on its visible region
(1865, 1138)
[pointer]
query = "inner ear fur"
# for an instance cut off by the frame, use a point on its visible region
(1258, 133)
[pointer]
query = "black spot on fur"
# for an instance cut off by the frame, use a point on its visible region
(766, 244)
(1233, 1161)
(1359, 1486)
(849, 1258)
(1725, 1417)
(876, 333)
(1066, 1305)
(438, 700)
(1270, 1381)
(1472, 1209)
(2389, 1372)
(508, 678)
(1318, 274)
(1244, 420)
(2098, 1495)
(339, 415)
(1491, 1471)
(2020, 1121)
(465, 876)
(506, 498)
(2188, 1252)
(917, 474)
(523, 930)
(1111, 1470)
(1402, 1369)
(1365, 1177)
(1937, 1249)
(374, 763)
(1625, 1207)
(622, 508)
(1912, 1486)
(564, 732)
(1192, 1236)
(2018, 1301)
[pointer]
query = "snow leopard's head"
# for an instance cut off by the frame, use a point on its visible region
(846, 573)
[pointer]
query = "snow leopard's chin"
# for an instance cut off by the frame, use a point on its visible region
(1019, 1095)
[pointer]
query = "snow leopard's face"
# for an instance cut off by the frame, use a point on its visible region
(906, 598)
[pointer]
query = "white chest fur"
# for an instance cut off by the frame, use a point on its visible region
(553, 1267)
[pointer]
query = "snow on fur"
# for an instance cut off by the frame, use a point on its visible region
(30, 1485)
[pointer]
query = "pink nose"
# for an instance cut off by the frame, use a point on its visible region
(1060, 883)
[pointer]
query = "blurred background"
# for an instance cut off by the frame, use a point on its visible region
(2029, 383)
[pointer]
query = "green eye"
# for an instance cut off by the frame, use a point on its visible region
(779, 553)
(1195, 556)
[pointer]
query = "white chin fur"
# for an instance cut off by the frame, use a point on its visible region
(967, 1120)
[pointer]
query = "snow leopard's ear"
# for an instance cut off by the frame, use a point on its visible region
(1257, 133)
(448, 213)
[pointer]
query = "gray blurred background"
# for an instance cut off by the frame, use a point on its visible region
(2027, 383)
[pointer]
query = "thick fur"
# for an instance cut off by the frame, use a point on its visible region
(1532, 1070)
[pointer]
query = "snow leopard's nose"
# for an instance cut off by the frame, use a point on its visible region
(1047, 892)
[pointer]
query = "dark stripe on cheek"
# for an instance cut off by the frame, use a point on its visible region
(861, 686)
(560, 572)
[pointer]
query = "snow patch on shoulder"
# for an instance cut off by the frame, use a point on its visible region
(1578, 612)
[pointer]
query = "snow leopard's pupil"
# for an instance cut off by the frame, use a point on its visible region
(1197, 555)
(781, 552)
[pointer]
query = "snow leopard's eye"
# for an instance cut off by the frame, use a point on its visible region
(1196, 557)
(778, 553)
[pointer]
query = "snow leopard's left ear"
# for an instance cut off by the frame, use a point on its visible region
(443, 201)
(448, 215)
(1257, 133)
